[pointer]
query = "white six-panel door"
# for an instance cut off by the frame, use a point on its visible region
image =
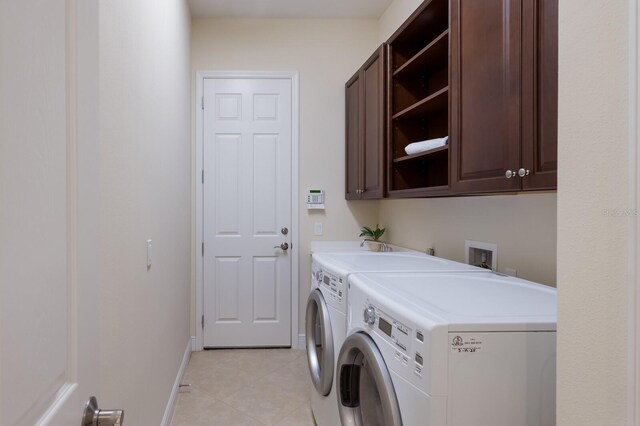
(48, 210)
(247, 203)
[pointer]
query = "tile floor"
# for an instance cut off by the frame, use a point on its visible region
(245, 387)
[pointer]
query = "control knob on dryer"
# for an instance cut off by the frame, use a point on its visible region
(319, 275)
(370, 315)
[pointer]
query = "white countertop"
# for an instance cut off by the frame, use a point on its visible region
(347, 247)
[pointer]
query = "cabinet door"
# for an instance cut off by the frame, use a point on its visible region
(372, 84)
(540, 94)
(485, 94)
(352, 136)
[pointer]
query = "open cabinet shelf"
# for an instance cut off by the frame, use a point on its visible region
(434, 54)
(418, 94)
(419, 155)
(436, 102)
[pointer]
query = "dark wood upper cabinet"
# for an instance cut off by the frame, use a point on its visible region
(482, 72)
(352, 110)
(485, 94)
(540, 94)
(365, 129)
(504, 95)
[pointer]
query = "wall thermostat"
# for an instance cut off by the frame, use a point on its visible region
(315, 199)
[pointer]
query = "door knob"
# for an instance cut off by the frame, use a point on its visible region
(93, 416)
(284, 231)
(283, 246)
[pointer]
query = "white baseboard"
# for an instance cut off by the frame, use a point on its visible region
(173, 398)
(302, 341)
(193, 344)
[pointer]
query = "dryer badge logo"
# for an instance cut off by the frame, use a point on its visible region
(464, 344)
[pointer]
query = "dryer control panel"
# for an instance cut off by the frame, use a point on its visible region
(394, 331)
(406, 343)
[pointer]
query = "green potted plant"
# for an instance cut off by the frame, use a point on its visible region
(372, 237)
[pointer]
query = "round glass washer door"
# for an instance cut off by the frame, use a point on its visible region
(319, 342)
(365, 391)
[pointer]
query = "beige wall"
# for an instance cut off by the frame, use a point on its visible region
(325, 53)
(397, 12)
(593, 239)
(523, 226)
(145, 157)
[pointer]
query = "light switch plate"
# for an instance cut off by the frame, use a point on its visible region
(317, 229)
(149, 254)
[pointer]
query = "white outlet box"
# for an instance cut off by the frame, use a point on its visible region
(318, 229)
(477, 252)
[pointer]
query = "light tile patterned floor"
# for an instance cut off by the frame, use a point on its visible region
(245, 387)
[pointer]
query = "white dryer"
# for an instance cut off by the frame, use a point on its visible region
(325, 319)
(448, 349)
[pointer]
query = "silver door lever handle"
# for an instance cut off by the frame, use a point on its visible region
(93, 416)
(283, 246)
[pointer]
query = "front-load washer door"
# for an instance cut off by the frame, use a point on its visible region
(365, 395)
(319, 338)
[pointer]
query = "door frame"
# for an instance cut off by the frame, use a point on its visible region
(198, 168)
(633, 363)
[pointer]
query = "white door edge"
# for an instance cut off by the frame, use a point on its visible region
(633, 363)
(198, 166)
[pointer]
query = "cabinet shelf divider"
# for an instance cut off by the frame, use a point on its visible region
(434, 102)
(428, 55)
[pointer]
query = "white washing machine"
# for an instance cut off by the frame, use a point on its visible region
(325, 319)
(448, 349)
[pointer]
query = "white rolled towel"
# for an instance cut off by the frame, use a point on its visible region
(416, 147)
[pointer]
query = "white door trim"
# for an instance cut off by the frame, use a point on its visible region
(199, 166)
(633, 363)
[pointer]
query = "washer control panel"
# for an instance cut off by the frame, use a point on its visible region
(333, 283)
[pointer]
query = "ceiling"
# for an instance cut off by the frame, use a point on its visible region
(364, 9)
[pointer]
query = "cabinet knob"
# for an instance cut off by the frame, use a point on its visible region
(509, 174)
(522, 173)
